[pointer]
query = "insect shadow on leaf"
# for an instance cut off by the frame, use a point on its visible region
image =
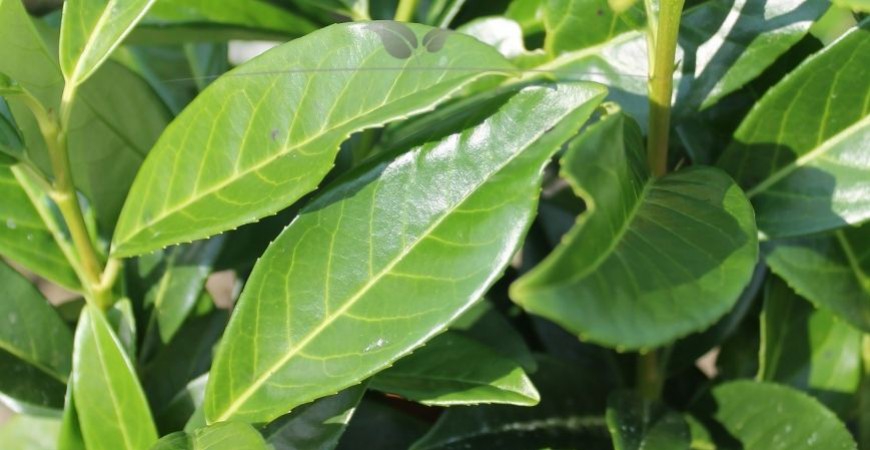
(399, 41)
(435, 39)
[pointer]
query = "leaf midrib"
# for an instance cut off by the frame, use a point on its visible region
(302, 344)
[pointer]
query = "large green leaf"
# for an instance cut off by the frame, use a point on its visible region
(35, 344)
(29, 233)
(801, 152)
(809, 349)
(832, 271)
(319, 424)
(570, 415)
(573, 25)
(652, 259)
(111, 407)
(220, 436)
(453, 369)
(90, 31)
(267, 133)
(436, 224)
(639, 424)
(766, 416)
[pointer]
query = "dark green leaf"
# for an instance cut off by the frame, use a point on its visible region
(487, 326)
(182, 411)
(35, 344)
(832, 271)
(445, 217)
(220, 436)
(453, 369)
(383, 427)
(622, 276)
(249, 153)
(316, 425)
(111, 407)
(766, 416)
(10, 137)
(638, 424)
(809, 349)
(801, 152)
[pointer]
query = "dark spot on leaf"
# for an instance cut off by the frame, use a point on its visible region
(274, 135)
(399, 41)
(435, 39)
(599, 12)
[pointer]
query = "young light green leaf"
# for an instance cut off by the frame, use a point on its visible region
(29, 234)
(111, 407)
(623, 276)
(832, 271)
(570, 415)
(809, 349)
(70, 434)
(35, 344)
(224, 435)
(23, 432)
(529, 14)
(801, 152)
(90, 31)
(267, 133)
(766, 416)
(639, 424)
(445, 217)
(319, 424)
(573, 25)
(453, 369)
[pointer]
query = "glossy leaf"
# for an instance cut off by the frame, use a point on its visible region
(832, 271)
(90, 31)
(784, 420)
(800, 153)
(637, 424)
(623, 276)
(415, 239)
(35, 344)
(570, 415)
(809, 349)
(224, 435)
(317, 425)
(564, 20)
(111, 407)
(453, 369)
(29, 233)
(266, 153)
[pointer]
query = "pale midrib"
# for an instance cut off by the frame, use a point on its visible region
(255, 386)
(103, 368)
(808, 157)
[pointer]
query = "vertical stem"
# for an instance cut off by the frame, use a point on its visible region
(661, 83)
(405, 11)
(650, 378)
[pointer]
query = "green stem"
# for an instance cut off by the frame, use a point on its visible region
(405, 11)
(650, 379)
(661, 84)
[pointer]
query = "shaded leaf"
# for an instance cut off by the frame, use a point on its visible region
(800, 153)
(319, 424)
(456, 370)
(832, 271)
(483, 323)
(224, 435)
(809, 349)
(111, 407)
(256, 155)
(637, 424)
(437, 223)
(90, 31)
(623, 276)
(10, 137)
(382, 427)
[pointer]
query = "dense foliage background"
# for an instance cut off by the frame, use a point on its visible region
(435, 224)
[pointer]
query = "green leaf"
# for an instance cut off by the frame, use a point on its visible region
(316, 425)
(578, 24)
(448, 217)
(35, 344)
(636, 423)
(528, 13)
(29, 232)
(382, 426)
(111, 407)
(70, 433)
(832, 271)
(90, 31)
(809, 349)
(622, 276)
(800, 153)
(23, 432)
(483, 323)
(10, 137)
(224, 435)
(766, 416)
(249, 149)
(570, 415)
(456, 370)
(8, 86)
